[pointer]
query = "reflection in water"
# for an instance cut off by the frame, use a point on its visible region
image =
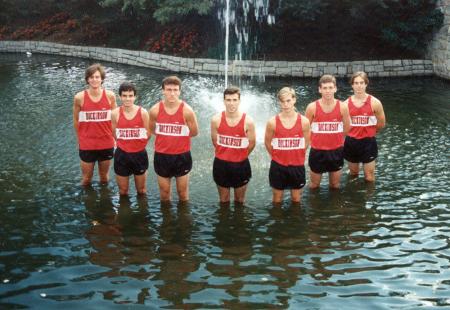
(120, 237)
(176, 256)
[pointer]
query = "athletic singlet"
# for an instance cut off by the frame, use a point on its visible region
(363, 122)
(327, 129)
(131, 134)
(232, 142)
(288, 145)
(94, 124)
(172, 134)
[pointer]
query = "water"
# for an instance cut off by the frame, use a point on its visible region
(378, 247)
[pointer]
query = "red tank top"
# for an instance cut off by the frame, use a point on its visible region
(172, 134)
(232, 142)
(94, 124)
(288, 145)
(131, 134)
(363, 122)
(327, 129)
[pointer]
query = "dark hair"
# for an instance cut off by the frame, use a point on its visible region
(231, 90)
(362, 75)
(171, 80)
(327, 78)
(92, 69)
(127, 86)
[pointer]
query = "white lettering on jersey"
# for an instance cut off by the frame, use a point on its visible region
(94, 116)
(288, 143)
(232, 142)
(327, 127)
(172, 130)
(363, 120)
(131, 133)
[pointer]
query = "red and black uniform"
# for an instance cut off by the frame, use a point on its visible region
(231, 167)
(360, 144)
(327, 140)
(130, 156)
(287, 170)
(95, 136)
(172, 144)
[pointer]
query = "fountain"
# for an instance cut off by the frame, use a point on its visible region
(243, 16)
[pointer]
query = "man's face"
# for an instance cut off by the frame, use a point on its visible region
(127, 97)
(327, 90)
(231, 102)
(359, 85)
(287, 102)
(171, 93)
(95, 80)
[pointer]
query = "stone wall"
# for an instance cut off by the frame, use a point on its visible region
(380, 68)
(439, 48)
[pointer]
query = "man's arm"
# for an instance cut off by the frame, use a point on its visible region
(251, 135)
(112, 99)
(378, 110)
(215, 122)
(146, 121)
(306, 127)
(345, 118)
(76, 110)
(270, 131)
(191, 120)
(153, 114)
(310, 111)
(114, 119)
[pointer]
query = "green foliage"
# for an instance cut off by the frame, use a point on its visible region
(168, 10)
(411, 24)
(402, 24)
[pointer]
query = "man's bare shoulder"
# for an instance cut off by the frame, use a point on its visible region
(375, 100)
(110, 93)
(249, 119)
(154, 108)
(271, 121)
(188, 108)
(304, 119)
(79, 96)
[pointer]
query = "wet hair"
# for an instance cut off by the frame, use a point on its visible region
(231, 90)
(92, 69)
(360, 74)
(171, 80)
(327, 78)
(286, 91)
(127, 86)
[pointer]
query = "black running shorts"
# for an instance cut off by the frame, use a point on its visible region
(126, 164)
(91, 156)
(321, 161)
(360, 150)
(230, 174)
(168, 165)
(286, 177)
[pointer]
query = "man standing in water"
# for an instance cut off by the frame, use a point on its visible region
(92, 124)
(286, 139)
(130, 125)
(329, 123)
(366, 118)
(173, 122)
(233, 136)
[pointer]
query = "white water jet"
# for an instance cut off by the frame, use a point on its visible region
(243, 32)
